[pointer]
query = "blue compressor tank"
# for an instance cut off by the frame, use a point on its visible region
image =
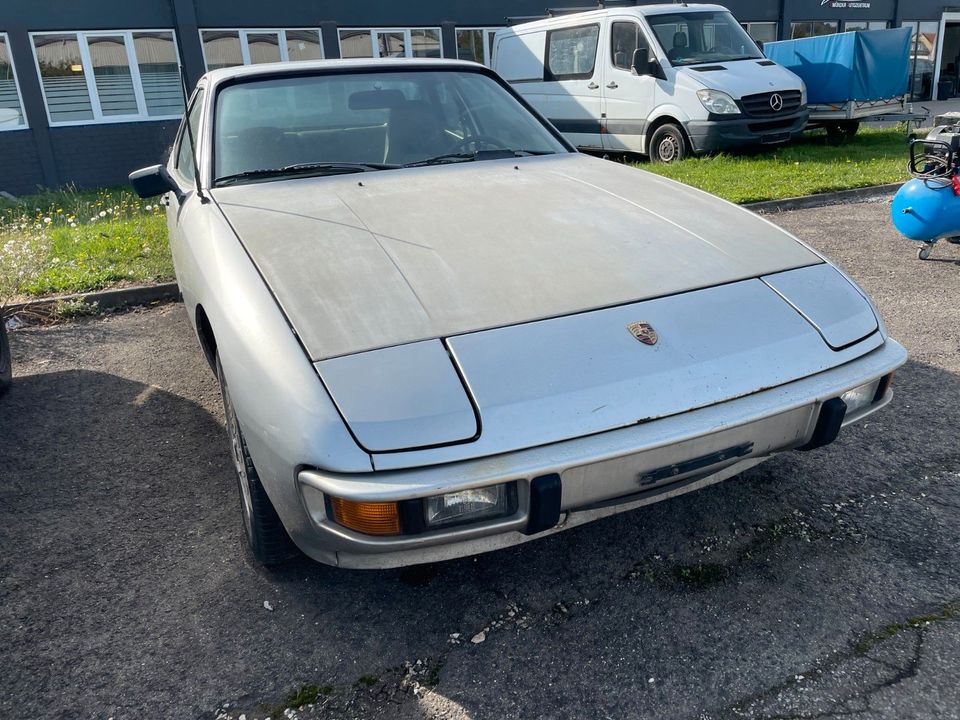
(927, 210)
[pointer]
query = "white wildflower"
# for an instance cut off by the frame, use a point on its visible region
(103, 213)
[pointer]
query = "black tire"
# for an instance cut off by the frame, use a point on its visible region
(266, 536)
(840, 132)
(6, 366)
(668, 144)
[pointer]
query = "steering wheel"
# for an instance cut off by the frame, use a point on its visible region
(487, 140)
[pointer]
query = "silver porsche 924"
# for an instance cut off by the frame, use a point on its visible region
(439, 330)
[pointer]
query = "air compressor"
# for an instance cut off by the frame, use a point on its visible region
(927, 208)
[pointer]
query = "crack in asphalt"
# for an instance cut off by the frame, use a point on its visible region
(918, 625)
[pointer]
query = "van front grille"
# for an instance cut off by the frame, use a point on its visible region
(765, 105)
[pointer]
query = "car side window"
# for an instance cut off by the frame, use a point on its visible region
(624, 37)
(571, 53)
(185, 157)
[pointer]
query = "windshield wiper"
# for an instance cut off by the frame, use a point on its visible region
(688, 63)
(316, 168)
(497, 154)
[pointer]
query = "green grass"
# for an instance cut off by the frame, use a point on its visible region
(69, 241)
(805, 167)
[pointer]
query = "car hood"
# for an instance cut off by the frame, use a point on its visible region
(745, 77)
(366, 261)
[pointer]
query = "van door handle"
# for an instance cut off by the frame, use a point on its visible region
(612, 85)
(592, 86)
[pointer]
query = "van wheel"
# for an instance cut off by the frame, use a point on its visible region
(266, 536)
(668, 144)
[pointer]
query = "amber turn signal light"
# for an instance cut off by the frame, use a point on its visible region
(370, 518)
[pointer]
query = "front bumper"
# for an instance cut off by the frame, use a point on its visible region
(713, 135)
(600, 475)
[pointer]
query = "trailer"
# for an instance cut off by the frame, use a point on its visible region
(853, 77)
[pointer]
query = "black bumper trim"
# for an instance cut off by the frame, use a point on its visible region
(828, 424)
(545, 492)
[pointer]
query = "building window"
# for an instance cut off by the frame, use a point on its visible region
(813, 29)
(390, 42)
(765, 32)
(476, 44)
(227, 48)
(159, 68)
(116, 76)
(923, 58)
(11, 106)
(852, 25)
(303, 45)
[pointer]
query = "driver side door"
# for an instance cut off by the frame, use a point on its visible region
(628, 98)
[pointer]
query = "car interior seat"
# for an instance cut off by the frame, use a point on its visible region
(414, 132)
(255, 148)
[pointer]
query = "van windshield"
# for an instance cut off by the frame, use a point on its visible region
(311, 124)
(689, 38)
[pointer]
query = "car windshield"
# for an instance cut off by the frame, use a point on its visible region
(689, 38)
(354, 122)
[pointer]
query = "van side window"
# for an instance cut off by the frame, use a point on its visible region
(184, 163)
(623, 43)
(571, 53)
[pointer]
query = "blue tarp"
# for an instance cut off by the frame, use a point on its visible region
(860, 66)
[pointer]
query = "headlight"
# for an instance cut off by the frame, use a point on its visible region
(470, 505)
(717, 102)
(803, 93)
(860, 397)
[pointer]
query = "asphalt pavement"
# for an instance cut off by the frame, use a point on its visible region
(820, 584)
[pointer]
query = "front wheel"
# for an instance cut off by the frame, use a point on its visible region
(266, 536)
(668, 144)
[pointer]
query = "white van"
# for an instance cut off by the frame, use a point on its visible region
(661, 80)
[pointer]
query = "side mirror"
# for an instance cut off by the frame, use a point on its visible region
(154, 180)
(641, 60)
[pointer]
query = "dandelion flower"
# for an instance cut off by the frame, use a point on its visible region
(47, 220)
(103, 213)
(149, 207)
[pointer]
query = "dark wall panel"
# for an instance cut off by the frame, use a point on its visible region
(251, 13)
(99, 155)
(122, 14)
(20, 171)
(86, 14)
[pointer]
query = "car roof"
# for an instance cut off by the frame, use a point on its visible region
(637, 10)
(279, 68)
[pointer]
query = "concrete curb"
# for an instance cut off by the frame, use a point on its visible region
(105, 299)
(823, 199)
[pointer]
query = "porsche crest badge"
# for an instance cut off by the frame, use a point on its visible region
(643, 332)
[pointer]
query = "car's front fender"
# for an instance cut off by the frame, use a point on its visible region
(284, 410)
